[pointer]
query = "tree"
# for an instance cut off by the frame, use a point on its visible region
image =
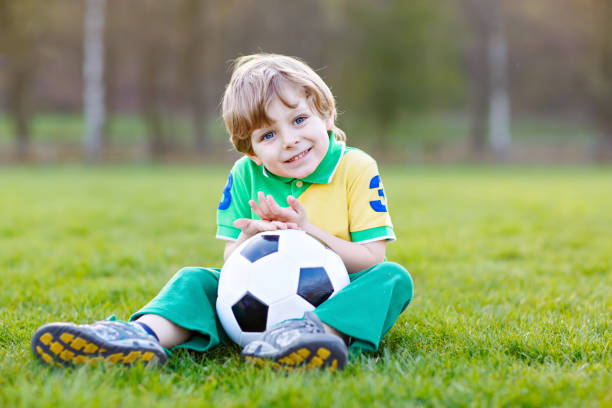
(499, 99)
(400, 62)
(200, 58)
(20, 28)
(93, 74)
(487, 73)
(477, 74)
(191, 64)
(602, 76)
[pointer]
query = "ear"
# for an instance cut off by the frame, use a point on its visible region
(254, 158)
(329, 122)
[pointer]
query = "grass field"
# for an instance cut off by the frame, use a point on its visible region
(512, 270)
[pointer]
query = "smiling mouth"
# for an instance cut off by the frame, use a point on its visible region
(298, 156)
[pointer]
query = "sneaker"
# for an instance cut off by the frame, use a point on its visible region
(68, 344)
(298, 342)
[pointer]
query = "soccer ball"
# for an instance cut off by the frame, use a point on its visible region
(274, 276)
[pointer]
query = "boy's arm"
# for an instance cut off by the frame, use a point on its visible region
(356, 256)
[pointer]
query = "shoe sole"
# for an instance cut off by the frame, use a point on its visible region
(63, 344)
(329, 353)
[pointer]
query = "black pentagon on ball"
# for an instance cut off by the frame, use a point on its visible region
(259, 247)
(251, 313)
(314, 285)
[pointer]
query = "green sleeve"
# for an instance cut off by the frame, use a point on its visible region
(234, 203)
(373, 234)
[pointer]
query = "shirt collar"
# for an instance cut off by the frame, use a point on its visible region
(324, 172)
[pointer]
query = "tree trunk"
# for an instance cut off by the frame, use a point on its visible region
(192, 67)
(499, 100)
(93, 74)
(151, 99)
(18, 45)
(603, 77)
(478, 74)
(20, 77)
(111, 71)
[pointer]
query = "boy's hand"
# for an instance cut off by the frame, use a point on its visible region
(269, 210)
(251, 227)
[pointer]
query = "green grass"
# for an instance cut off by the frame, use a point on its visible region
(512, 270)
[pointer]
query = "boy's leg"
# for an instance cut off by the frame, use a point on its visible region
(368, 307)
(187, 304)
(167, 333)
(364, 311)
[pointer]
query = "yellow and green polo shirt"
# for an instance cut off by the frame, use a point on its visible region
(343, 196)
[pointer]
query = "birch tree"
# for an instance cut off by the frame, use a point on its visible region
(477, 74)
(487, 68)
(499, 101)
(93, 75)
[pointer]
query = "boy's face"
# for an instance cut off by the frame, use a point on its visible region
(296, 140)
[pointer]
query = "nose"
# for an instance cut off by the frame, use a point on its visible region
(290, 138)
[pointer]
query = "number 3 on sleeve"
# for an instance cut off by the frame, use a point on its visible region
(226, 200)
(377, 205)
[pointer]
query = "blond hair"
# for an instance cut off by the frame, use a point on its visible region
(256, 80)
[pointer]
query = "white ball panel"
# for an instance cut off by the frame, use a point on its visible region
(228, 321)
(232, 286)
(290, 308)
(271, 282)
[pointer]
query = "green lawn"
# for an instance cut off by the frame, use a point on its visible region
(512, 270)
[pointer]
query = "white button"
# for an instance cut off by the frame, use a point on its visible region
(299, 183)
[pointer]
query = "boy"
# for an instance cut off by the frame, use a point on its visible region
(281, 115)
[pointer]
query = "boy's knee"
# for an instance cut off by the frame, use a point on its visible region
(196, 274)
(402, 278)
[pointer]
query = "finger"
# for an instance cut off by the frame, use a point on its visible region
(292, 225)
(285, 213)
(274, 207)
(247, 226)
(271, 204)
(280, 225)
(270, 201)
(263, 203)
(295, 204)
(242, 223)
(257, 209)
(261, 226)
(263, 208)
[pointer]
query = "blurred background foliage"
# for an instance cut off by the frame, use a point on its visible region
(414, 80)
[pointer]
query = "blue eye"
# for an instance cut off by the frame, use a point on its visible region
(300, 120)
(267, 136)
